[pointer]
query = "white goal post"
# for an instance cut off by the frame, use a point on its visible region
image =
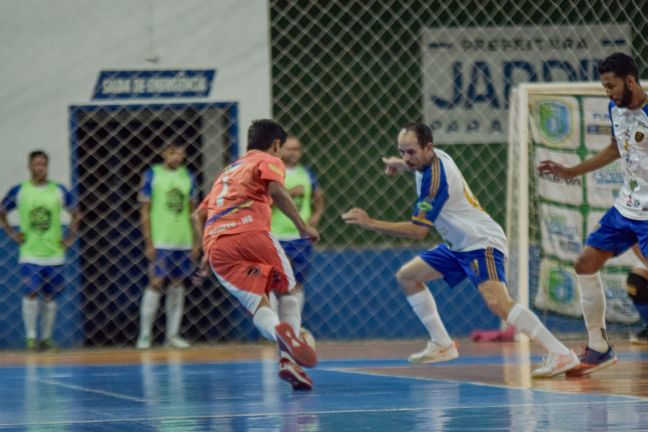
(519, 171)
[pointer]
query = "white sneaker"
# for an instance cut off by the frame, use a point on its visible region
(143, 342)
(434, 353)
(177, 342)
(555, 364)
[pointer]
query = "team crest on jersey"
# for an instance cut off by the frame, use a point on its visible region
(424, 206)
(554, 120)
(175, 200)
(40, 219)
(639, 136)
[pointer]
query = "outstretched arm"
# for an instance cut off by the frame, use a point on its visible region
(357, 216)
(283, 202)
(394, 165)
(317, 207)
(602, 158)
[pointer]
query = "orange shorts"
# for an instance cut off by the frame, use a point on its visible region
(250, 265)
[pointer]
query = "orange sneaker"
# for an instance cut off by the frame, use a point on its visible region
(295, 346)
(291, 372)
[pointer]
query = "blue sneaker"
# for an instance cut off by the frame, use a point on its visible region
(591, 361)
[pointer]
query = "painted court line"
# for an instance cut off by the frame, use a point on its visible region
(292, 414)
(91, 390)
(501, 386)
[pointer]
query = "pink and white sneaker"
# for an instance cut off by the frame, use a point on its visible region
(291, 372)
(299, 350)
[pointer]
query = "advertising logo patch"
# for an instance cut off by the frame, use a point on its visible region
(424, 206)
(40, 219)
(475, 266)
(175, 200)
(554, 120)
(561, 287)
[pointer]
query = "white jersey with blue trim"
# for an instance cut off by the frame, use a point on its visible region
(446, 203)
(630, 129)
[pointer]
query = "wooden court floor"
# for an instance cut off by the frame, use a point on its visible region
(359, 385)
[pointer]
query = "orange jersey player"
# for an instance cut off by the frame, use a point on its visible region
(234, 220)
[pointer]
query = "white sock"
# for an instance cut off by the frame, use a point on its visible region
(529, 324)
(30, 314)
(425, 309)
(148, 310)
(592, 296)
(299, 295)
(174, 308)
(265, 320)
(290, 312)
(274, 303)
(48, 318)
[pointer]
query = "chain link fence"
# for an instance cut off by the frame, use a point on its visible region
(346, 76)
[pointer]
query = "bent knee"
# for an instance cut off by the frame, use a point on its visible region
(497, 300)
(404, 275)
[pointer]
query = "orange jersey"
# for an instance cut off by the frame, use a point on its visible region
(239, 200)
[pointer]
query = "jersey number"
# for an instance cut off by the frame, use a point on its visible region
(223, 192)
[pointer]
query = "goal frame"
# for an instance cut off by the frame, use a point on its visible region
(518, 141)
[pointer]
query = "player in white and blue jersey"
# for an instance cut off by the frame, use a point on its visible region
(626, 223)
(474, 246)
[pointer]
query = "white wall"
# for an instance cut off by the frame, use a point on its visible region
(51, 53)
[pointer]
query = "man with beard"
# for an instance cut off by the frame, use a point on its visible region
(626, 223)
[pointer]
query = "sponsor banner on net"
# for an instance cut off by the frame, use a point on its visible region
(598, 128)
(603, 185)
(555, 188)
(558, 289)
(562, 231)
(626, 259)
(556, 121)
(618, 307)
(558, 292)
(469, 72)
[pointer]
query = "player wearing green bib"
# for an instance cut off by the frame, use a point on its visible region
(39, 203)
(168, 196)
(304, 189)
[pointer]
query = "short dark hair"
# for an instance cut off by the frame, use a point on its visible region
(174, 143)
(262, 133)
(36, 153)
(620, 64)
(423, 133)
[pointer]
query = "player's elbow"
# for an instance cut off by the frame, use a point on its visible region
(198, 215)
(419, 232)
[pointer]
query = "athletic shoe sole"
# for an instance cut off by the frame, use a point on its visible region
(563, 369)
(584, 370)
(300, 351)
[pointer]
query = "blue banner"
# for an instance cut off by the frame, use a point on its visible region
(147, 84)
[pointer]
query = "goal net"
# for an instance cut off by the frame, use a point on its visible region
(345, 77)
(548, 218)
